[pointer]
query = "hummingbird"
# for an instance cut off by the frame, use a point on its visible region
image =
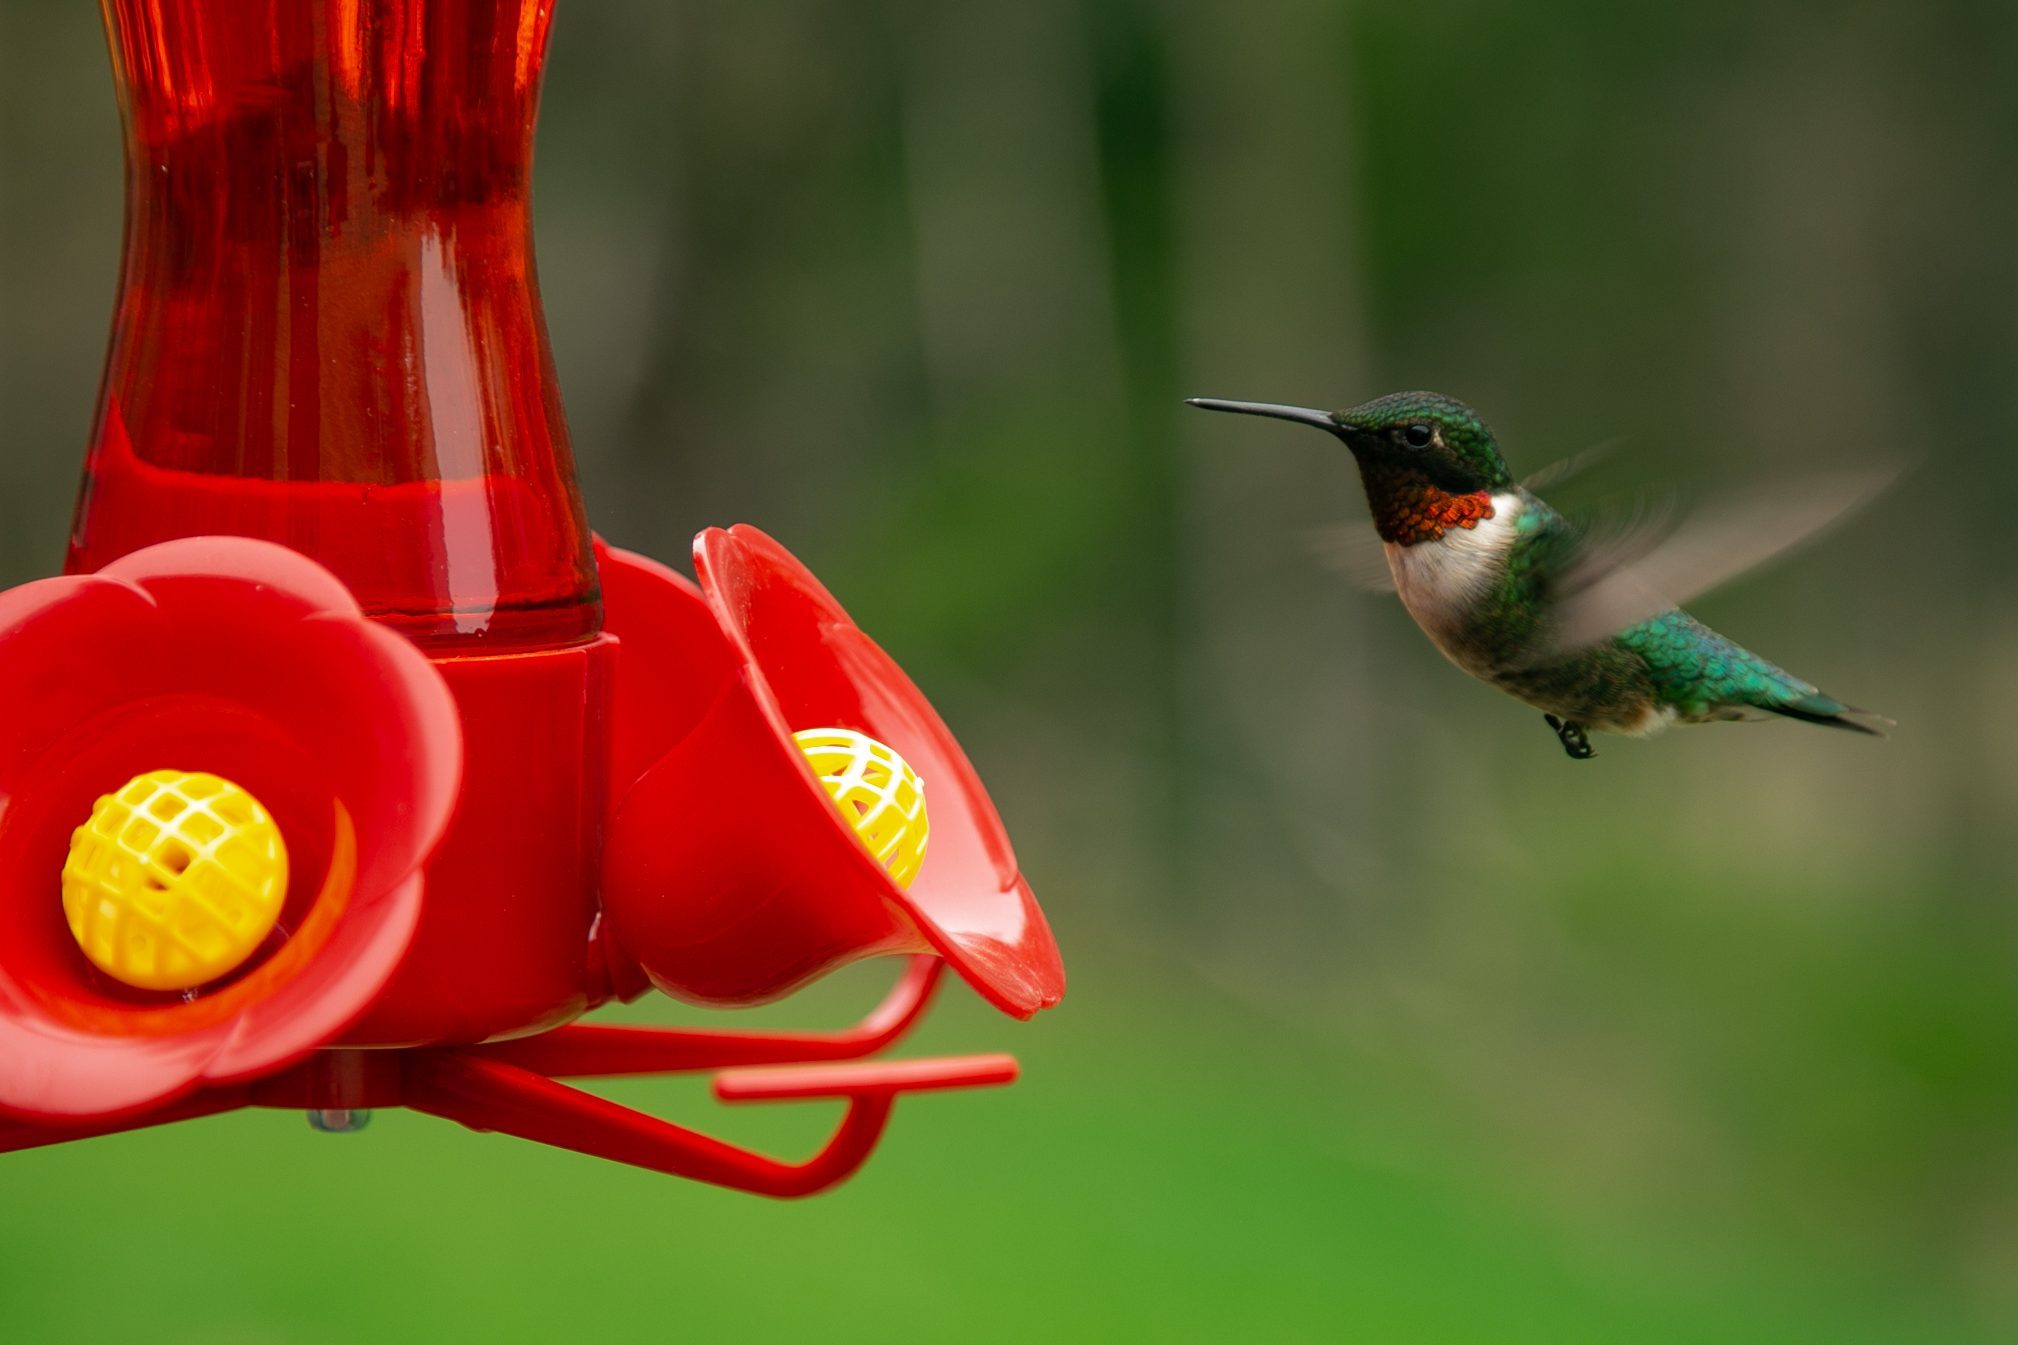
(1581, 626)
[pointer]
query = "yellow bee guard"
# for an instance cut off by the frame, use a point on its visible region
(174, 881)
(878, 793)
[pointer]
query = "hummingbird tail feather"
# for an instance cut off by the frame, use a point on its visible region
(1832, 713)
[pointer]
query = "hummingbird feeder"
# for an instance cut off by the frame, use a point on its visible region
(344, 768)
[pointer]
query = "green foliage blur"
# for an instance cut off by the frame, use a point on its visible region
(1388, 1022)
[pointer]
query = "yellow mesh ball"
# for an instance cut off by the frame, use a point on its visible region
(174, 880)
(878, 793)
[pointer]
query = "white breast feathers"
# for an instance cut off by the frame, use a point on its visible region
(1440, 580)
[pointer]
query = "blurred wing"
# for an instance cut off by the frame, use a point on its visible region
(1611, 582)
(1355, 551)
(1571, 467)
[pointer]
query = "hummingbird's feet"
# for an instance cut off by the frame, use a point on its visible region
(1573, 738)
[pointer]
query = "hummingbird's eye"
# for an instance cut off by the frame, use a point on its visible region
(1417, 436)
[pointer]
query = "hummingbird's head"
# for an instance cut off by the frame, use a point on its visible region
(1422, 433)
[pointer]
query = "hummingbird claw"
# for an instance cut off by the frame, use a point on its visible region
(1574, 740)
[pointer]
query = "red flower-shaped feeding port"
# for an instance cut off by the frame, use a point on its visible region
(248, 660)
(728, 875)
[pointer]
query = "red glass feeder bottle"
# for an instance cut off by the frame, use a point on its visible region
(397, 771)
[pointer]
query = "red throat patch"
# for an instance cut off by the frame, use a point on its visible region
(1408, 509)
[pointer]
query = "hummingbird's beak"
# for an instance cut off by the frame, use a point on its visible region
(1300, 414)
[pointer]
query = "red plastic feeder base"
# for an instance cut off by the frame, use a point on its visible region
(514, 1088)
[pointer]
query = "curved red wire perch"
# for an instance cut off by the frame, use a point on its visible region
(491, 1095)
(513, 1088)
(587, 1050)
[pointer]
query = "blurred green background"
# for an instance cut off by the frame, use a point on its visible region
(1387, 1023)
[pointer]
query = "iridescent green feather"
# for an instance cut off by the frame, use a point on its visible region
(1464, 434)
(1669, 662)
(1697, 671)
